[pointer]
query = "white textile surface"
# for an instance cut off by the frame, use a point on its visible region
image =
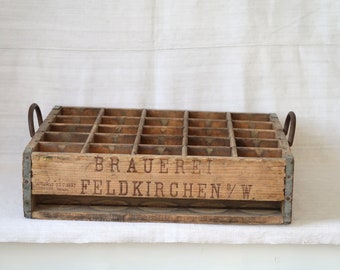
(249, 56)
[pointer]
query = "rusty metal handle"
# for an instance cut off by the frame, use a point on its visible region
(290, 124)
(34, 107)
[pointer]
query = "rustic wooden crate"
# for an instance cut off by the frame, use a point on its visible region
(158, 166)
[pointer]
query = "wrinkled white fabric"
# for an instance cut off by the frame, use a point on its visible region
(249, 56)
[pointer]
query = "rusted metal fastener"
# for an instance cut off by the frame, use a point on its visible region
(290, 124)
(34, 107)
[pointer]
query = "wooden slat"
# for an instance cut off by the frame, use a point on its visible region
(253, 124)
(139, 133)
(62, 127)
(117, 129)
(162, 139)
(75, 119)
(231, 135)
(106, 148)
(52, 136)
(59, 147)
(93, 131)
(152, 214)
(250, 142)
(259, 152)
(164, 203)
(283, 144)
(185, 134)
(254, 133)
(209, 151)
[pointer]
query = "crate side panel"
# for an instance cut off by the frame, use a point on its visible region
(158, 176)
(287, 205)
(28, 200)
(26, 183)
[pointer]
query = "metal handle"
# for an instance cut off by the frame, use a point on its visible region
(34, 107)
(290, 124)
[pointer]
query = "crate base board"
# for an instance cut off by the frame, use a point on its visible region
(149, 214)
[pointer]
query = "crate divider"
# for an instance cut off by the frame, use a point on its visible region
(139, 133)
(231, 135)
(93, 131)
(185, 134)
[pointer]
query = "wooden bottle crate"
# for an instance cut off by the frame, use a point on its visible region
(159, 166)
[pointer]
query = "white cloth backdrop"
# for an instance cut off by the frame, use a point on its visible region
(252, 56)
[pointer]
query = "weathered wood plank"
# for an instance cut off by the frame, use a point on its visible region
(154, 176)
(92, 132)
(152, 214)
(231, 135)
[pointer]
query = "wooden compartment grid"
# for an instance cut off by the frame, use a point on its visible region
(158, 132)
(232, 139)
